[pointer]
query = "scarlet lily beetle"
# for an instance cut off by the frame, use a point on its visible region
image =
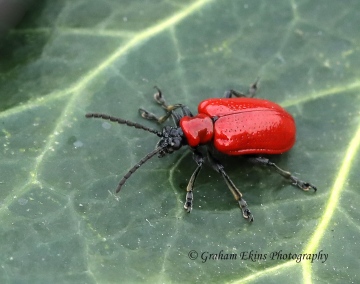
(237, 124)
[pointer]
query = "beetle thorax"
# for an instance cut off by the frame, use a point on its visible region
(198, 130)
(172, 139)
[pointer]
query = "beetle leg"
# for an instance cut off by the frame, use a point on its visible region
(170, 109)
(148, 115)
(253, 88)
(295, 181)
(233, 93)
(237, 194)
(159, 98)
(199, 159)
(250, 93)
(234, 190)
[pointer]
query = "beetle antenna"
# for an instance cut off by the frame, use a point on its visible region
(123, 121)
(138, 165)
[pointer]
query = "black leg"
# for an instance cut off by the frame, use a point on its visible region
(199, 159)
(234, 190)
(295, 181)
(251, 92)
(159, 98)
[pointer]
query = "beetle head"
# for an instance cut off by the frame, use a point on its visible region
(172, 139)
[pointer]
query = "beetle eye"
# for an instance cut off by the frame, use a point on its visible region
(176, 144)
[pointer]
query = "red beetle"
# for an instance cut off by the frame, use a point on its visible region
(235, 125)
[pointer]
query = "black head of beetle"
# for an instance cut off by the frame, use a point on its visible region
(172, 139)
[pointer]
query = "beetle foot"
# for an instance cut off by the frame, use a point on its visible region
(159, 97)
(147, 115)
(253, 88)
(188, 207)
(245, 210)
(188, 202)
(306, 186)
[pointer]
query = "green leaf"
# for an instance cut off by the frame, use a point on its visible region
(62, 222)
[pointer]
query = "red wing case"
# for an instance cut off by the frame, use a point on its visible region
(249, 126)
